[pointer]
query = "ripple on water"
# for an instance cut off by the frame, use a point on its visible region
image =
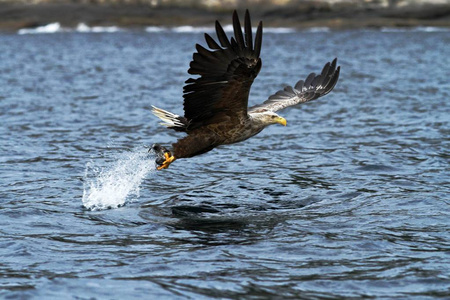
(349, 200)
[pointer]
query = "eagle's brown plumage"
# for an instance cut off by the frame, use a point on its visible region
(216, 103)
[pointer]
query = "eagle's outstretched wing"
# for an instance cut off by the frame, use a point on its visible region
(226, 74)
(310, 89)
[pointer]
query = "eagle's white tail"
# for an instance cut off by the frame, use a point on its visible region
(171, 120)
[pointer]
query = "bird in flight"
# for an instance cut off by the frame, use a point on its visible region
(216, 108)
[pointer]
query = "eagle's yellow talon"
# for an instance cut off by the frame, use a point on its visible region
(167, 162)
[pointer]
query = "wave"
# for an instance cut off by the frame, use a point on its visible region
(318, 29)
(192, 29)
(57, 28)
(180, 29)
(49, 28)
(415, 29)
(83, 28)
(210, 29)
(156, 29)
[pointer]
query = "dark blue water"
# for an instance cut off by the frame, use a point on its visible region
(350, 200)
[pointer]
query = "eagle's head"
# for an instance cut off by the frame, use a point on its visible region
(268, 118)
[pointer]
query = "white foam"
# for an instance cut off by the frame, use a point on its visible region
(318, 29)
(84, 28)
(49, 28)
(415, 29)
(117, 184)
(281, 30)
(432, 29)
(179, 29)
(98, 29)
(156, 29)
(192, 29)
(394, 29)
(201, 29)
(81, 27)
(229, 28)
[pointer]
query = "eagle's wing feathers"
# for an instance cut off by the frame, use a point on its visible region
(226, 74)
(313, 87)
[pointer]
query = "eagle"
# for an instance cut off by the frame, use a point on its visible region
(216, 108)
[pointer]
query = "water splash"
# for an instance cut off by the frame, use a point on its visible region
(113, 186)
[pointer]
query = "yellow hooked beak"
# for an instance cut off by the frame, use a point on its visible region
(281, 121)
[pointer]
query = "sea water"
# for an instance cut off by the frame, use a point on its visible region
(350, 200)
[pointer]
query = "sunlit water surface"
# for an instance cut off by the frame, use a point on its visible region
(351, 199)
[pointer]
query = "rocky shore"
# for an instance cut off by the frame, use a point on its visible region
(298, 14)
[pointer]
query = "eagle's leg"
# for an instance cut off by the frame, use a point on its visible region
(165, 164)
(163, 156)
